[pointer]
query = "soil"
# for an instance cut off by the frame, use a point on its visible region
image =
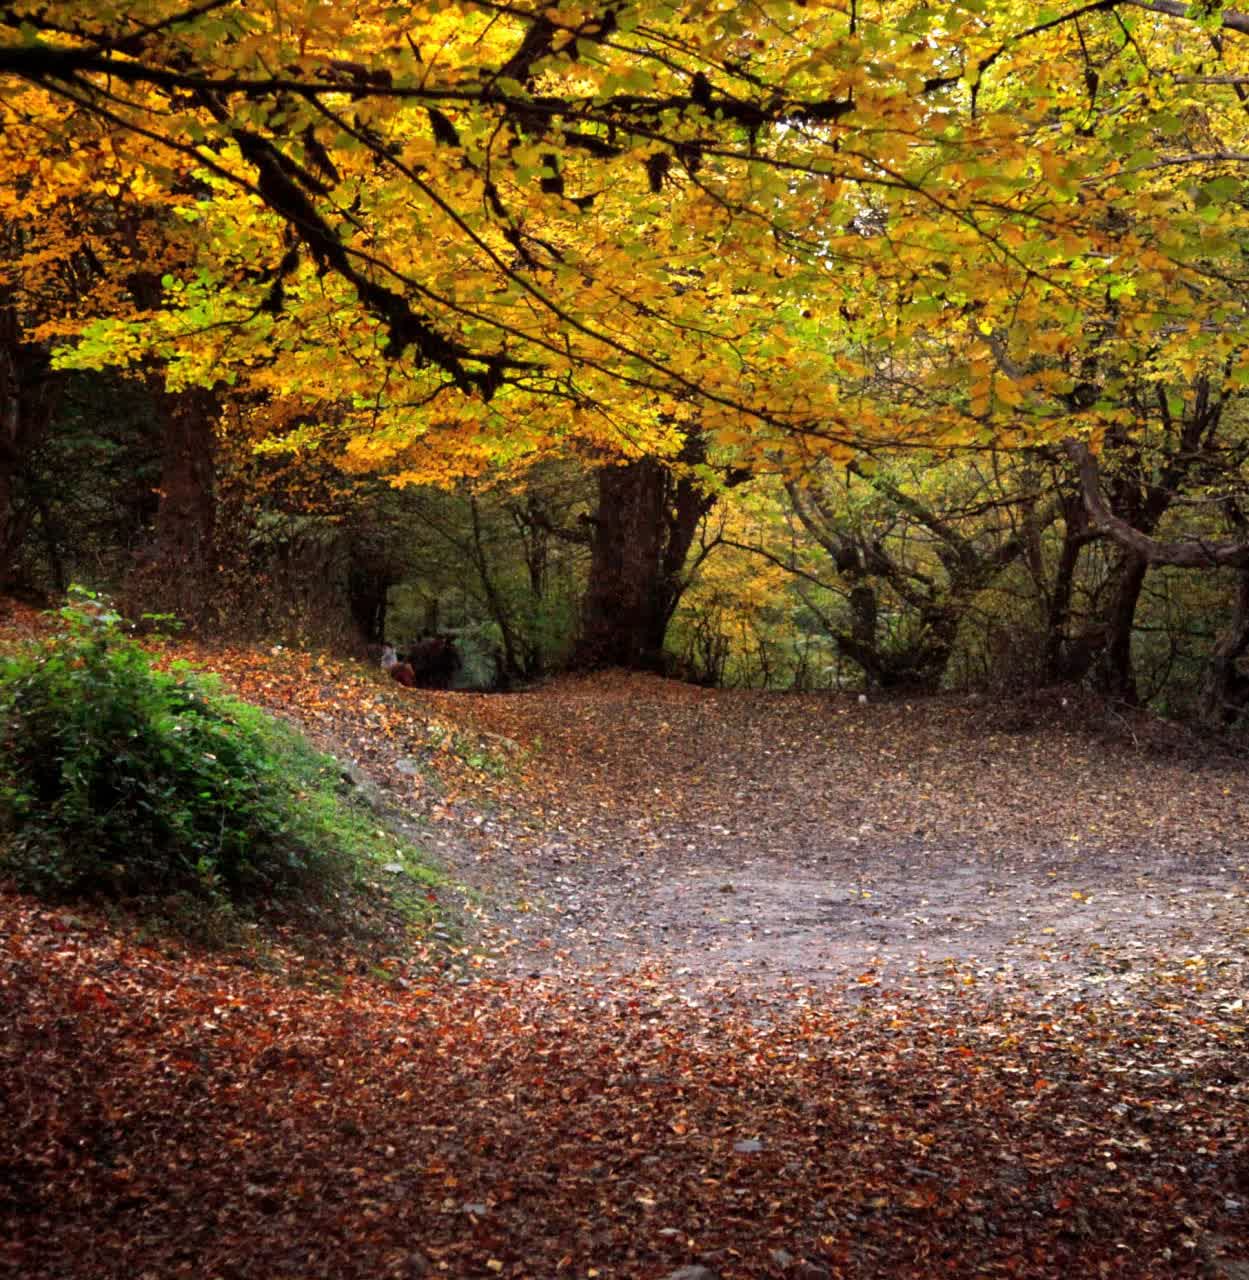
(762, 839)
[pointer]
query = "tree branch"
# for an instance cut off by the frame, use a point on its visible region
(1195, 553)
(1229, 18)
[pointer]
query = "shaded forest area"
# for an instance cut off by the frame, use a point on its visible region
(912, 576)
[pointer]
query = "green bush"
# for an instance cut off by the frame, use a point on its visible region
(117, 778)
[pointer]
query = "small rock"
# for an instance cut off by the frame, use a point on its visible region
(748, 1146)
(393, 866)
(354, 781)
(694, 1272)
(476, 1208)
(727, 888)
(781, 1258)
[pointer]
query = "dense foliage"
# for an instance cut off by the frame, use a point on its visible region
(677, 252)
(119, 778)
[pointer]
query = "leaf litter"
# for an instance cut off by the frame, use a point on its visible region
(777, 986)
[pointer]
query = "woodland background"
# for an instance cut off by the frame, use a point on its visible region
(873, 347)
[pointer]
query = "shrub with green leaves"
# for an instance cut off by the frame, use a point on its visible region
(118, 778)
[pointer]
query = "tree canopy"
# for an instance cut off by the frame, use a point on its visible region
(481, 232)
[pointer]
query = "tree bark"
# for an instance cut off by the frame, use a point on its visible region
(1193, 553)
(186, 519)
(175, 573)
(29, 393)
(1226, 691)
(1069, 657)
(1140, 551)
(648, 516)
(1114, 673)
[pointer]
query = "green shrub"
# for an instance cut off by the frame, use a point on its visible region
(478, 646)
(117, 778)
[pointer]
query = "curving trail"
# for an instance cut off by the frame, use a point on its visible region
(762, 838)
(783, 988)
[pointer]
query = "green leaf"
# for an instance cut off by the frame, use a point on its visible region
(1220, 189)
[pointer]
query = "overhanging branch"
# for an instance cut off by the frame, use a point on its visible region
(1194, 553)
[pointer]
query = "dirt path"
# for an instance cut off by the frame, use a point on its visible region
(762, 838)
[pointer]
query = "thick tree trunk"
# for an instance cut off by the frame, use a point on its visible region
(863, 614)
(1114, 672)
(176, 572)
(646, 523)
(622, 622)
(186, 519)
(1070, 649)
(1225, 691)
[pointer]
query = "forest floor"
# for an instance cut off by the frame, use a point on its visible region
(759, 840)
(772, 985)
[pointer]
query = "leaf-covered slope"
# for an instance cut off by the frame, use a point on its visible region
(166, 1113)
(169, 1115)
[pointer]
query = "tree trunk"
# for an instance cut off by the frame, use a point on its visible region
(1069, 657)
(646, 523)
(29, 393)
(1114, 672)
(494, 598)
(368, 589)
(175, 573)
(1226, 691)
(863, 614)
(186, 519)
(921, 668)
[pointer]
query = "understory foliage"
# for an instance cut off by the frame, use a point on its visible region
(920, 573)
(122, 779)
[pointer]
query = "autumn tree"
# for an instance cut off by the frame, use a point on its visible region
(485, 233)
(87, 240)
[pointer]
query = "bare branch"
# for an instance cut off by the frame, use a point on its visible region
(1194, 553)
